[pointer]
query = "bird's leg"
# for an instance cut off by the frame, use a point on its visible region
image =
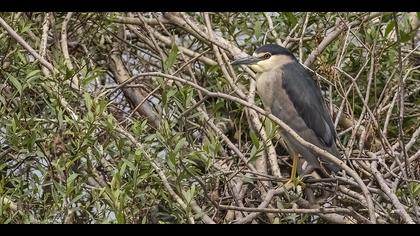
(295, 158)
(293, 179)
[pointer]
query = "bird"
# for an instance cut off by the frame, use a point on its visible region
(289, 92)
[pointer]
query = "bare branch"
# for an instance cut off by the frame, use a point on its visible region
(397, 204)
(24, 44)
(334, 34)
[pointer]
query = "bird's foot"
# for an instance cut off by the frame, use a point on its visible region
(295, 181)
(294, 189)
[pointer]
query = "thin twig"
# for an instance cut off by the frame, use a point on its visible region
(24, 44)
(397, 204)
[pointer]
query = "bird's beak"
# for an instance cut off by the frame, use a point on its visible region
(251, 60)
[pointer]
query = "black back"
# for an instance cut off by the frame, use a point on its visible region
(308, 102)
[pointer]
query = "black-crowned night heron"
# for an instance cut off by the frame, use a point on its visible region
(289, 93)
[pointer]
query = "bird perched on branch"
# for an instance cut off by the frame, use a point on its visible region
(288, 91)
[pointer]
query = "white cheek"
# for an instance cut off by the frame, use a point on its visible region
(257, 67)
(265, 65)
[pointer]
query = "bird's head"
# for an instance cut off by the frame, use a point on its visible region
(267, 57)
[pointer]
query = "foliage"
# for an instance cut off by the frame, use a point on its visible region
(99, 140)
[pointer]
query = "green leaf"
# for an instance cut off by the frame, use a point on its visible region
(189, 194)
(406, 36)
(15, 83)
(138, 152)
(71, 179)
(403, 36)
(254, 139)
(91, 75)
(166, 96)
(170, 61)
(218, 105)
(33, 80)
(32, 74)
(88, 101)
(170, 94)
(257, 29)
(138, 127)
(253, 154)
(171, 161)
(21, 57)
(129, 164)
(269, 128)
(180, 144)
(60, 117)
(389, 27)
(414, 189)
(88, 79)
(77, 198)
(123, 168)
(291, 18)
(25, 28)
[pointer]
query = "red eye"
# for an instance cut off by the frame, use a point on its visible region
(266, 56)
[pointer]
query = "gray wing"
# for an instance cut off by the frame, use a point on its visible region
(306, 97)
(293, 96)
